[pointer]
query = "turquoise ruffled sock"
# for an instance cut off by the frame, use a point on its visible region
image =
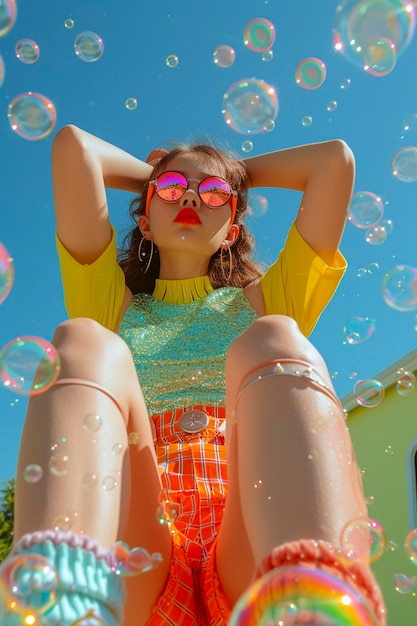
(63, 579)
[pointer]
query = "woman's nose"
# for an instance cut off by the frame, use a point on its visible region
(190, 199)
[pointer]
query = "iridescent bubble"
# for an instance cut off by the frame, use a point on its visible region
(405, 382)
(90, 481)
(310, 73)
(331, 106)
(62, 523)
(399, 288)
(29, 365)
(258, 204)
(69, 23)
(247, 146)
(362, 539)
(6, 273)
(250, 105)
(59, 464)
(359, 329)
(89, 47)
(411, 545)
(388, 225)
(373, 268)
(32, 473)
(259, 35)
(224, 56)
(365, 210)
(34, 582)
(133, 439)
(376, 235)
(369, 393)
(27, 51)
(117, 449)
(172, 60)
(269, 126)
(404, 584)
(345, 84)
(92, 422)
(8, 12)
(167, 511)
(109, 483)
(2, 71)
(307, 120)
(59, 445)
(131, 104)
(410, 123)
(267, 56)
(32, 116)
(380, 57)
(404, 164)
(292, 595)
(358, 25)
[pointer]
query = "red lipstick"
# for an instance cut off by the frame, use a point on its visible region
(187, 216)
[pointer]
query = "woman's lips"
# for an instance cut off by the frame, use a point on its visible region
(187, 216)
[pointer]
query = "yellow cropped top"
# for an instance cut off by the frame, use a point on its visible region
(298, 284)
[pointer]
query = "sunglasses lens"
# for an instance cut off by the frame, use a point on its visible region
(214, 191)
(170, 186)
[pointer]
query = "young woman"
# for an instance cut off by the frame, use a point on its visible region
(159, 348)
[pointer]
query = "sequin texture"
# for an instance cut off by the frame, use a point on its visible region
(179, 350)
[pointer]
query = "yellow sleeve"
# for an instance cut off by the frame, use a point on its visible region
(96, 290)
(300, 284)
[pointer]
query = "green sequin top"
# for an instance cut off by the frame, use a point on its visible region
(179, 337)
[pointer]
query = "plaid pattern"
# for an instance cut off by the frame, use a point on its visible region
(194, 476)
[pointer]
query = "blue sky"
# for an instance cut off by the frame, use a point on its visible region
(183, 103)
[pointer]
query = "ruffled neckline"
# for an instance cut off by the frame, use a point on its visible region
(182, 291)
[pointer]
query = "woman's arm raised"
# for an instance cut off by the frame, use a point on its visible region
(325, 173)
(82, 167)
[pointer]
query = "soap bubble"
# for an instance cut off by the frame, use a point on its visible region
(6, 273)
(34, 582)
(171, 60)
(307, 120)
(69, 23)
(404, 584)
(405, 382)
(331, 106)
(380, 57)
(32, 116)
(295, 595)
(2, 71)
(92, 422)
(411, 545)
(29, 365)
(404, 164)
(399, 288)
(359, 25)
(365, 209)
(224, 56)
(310, 73)
(59, 464)
(89, 47)
(376, 235)
(131, 104)
(259, 35)
(362, 540)
(257, 204)
(250, 105)
(8, 12)
(27, 51)
(32, 473)
(369, 393)
(359, 329)
(247, 146)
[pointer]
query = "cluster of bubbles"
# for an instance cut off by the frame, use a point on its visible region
(366, 211)
(372, 34)
(126, 562)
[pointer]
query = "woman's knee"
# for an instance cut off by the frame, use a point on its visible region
(83, 340)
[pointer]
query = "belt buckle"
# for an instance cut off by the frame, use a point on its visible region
(193, 421)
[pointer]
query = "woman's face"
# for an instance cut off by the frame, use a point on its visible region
(188, 226)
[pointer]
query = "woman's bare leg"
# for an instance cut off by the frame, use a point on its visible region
(93, 480)
(291, 460)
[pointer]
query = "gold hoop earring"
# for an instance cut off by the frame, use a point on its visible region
(229, 276)
(142, 255)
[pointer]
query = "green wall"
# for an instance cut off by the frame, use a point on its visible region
(382, 437)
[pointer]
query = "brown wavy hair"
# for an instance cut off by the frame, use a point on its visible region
(244, 269)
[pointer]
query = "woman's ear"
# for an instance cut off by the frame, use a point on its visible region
(144, 226)
(232, 235)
